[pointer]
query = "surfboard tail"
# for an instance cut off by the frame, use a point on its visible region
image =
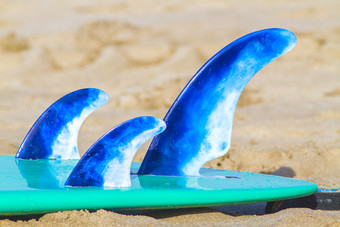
(199, 123)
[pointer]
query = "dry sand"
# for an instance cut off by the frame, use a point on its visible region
(142, 53)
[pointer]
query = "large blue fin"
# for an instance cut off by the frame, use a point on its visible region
(107, 163)
(54, 135)
(200, 120)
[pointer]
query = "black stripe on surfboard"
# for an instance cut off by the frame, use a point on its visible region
(323, 199)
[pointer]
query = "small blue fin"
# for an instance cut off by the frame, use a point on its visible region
(199, 122)
(107, 163)
(54, 135)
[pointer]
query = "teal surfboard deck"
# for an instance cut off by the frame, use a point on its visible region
(37, 186)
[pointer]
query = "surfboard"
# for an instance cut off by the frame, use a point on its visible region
(37, 186)
(47, 175)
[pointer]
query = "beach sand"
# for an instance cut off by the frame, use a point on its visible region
(142, 53)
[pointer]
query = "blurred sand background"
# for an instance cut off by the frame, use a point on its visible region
(142, 53)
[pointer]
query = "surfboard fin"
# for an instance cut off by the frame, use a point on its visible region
(107, 162)
(199, 122)
(54, 135)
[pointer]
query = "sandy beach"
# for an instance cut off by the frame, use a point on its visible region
(142, 53)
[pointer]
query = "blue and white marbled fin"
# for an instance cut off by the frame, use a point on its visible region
(107, 163)
(199, 122)
(54, 135)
